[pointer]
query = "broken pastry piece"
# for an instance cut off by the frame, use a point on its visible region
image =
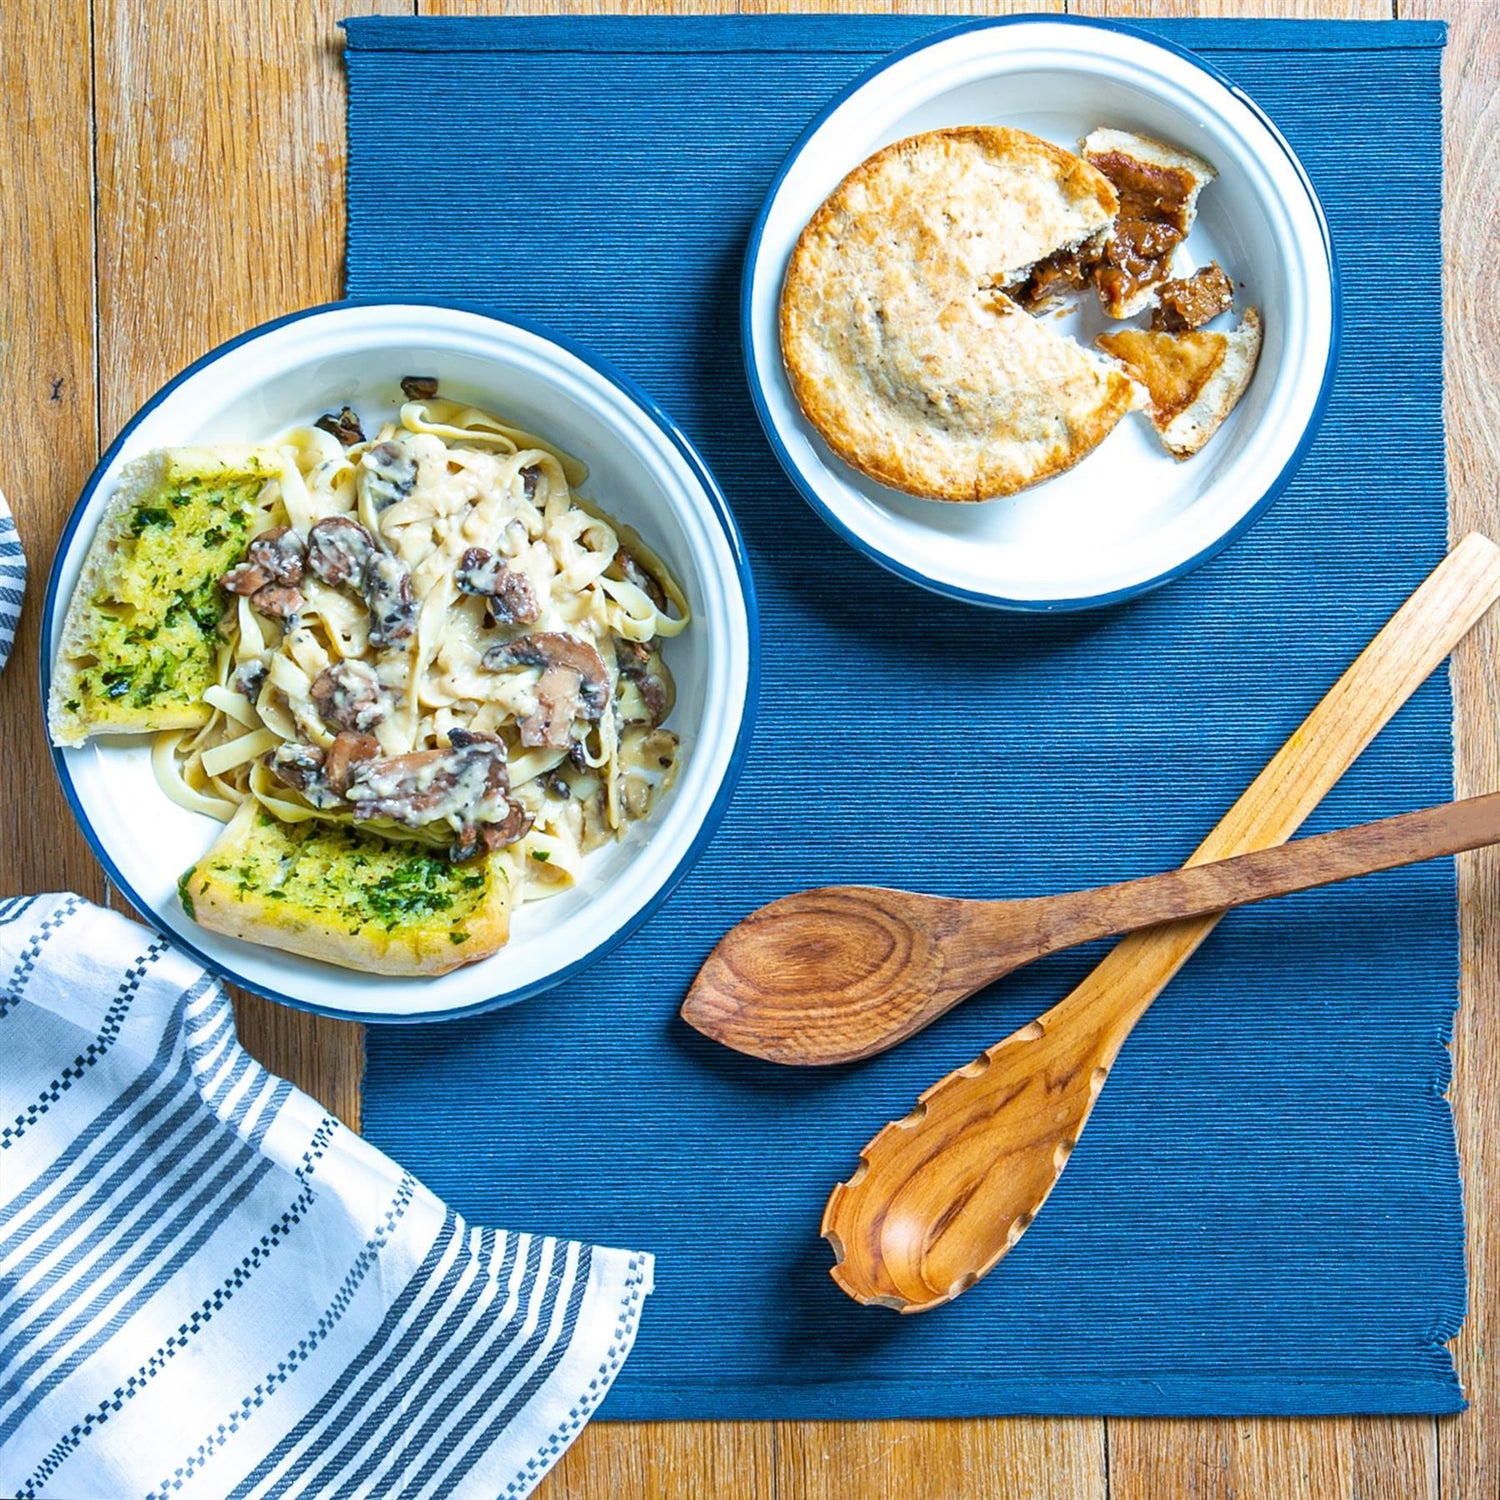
(1158, 187)
(1194, 379)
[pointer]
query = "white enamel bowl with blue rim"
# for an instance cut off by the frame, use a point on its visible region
(1129, 516)
(641, 469)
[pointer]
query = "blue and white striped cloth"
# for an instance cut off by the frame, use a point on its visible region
(210, 1288)
(12, 580)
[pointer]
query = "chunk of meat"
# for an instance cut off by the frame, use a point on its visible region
(1062, 271)
(1137, 255)
(1193, 301)
(1149, 190)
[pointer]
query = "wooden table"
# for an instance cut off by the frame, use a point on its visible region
(173, 174)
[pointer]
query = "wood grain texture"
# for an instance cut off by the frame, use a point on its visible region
(1469, 1445)
(47, 374)
(1372, 1458)
(942, 1194)
(840, 973)
(219, 158)
(220, 201)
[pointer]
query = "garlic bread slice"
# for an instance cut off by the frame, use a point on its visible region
(325, 891)
(140, 643)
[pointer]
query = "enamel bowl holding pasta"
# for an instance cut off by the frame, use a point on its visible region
(399, 659)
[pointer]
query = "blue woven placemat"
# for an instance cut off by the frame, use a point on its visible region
(1264, 1214)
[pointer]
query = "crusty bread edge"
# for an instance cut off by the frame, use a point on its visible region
(137, 479)
(67, 726)
(251, 918)
(1192, 427)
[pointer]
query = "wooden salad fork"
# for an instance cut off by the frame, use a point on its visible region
(942, 1194)
(843, 972)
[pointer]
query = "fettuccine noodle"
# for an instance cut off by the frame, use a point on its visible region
(407, 603)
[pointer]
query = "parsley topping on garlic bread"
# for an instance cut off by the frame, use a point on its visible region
(328, 891)
(141, 640)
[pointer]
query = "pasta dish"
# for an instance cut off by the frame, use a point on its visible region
(432, 638)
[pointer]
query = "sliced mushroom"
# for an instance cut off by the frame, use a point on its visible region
(341, 551)
(346, 752)
(344, 425)
(348, 695)
(476, 838)
(574, 684)
(393, 609)
(467, 786)
(550, 648)
(275, 556)
(516, 824)
(512, 599)
(642, 668)
(647, 760)
(279, 600)
(301, 767)
(387, 474)
(419, 387)
(250, 678)
(337, 550)
(632, 572)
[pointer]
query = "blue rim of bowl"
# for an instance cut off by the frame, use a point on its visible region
(954, 591)
(738, 751)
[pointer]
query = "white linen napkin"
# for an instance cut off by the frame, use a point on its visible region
(210, 1288)
(12, 580)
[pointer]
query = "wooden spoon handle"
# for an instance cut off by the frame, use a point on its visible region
(942, 1194)
(1053, 923)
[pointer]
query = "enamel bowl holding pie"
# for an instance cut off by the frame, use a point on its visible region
(1128, 515)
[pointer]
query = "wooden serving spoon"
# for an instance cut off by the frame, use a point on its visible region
(942, 1194)
(845, 971)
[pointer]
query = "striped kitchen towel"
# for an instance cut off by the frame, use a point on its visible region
(12, 580)
(210, 1288)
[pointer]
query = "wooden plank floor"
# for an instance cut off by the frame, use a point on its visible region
(174, 174)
